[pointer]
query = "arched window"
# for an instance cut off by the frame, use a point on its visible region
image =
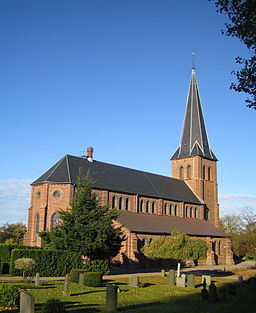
(165, 208)
(37, 220)
(120, 203)
(195, 213)
(141, 205)
(191, 211)
(181, 172)
(209, 173)
(189, 172)
(153, 207)
(147, 207)
(186, 211)
(113, 202)
(203, 172)
(127, 203)
(55, 220)
(175, 210)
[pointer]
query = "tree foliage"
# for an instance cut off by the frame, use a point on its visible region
(242, 16)
(177, 246)
(12, 233)
(87, 227)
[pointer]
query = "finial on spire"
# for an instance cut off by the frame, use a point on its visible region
(193, 60)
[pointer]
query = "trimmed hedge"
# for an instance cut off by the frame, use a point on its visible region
(49, 263)
(6, 249)
(9, 295)
(53, 306)
(74, 274)
(102, 266)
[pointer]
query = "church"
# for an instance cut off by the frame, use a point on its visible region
(151, 205)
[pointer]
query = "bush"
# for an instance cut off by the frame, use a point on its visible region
(26, 265)
(74, 274)
(9, 295)
(53, 306)
(102, 266)
(5, 251)
(4, 267)
(93, 279)
(48, 262)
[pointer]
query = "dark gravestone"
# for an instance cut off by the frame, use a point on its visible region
(213, 293)
(171, 277)
(252, 283)
(134, 281)
(191, 281)
(111, 298)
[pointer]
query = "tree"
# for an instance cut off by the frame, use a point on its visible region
(242, 16)
(87, 227)
(12, 233)
(177, 246)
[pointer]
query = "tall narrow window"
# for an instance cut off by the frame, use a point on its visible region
(203, 172)
(120, 203)
(147, 206)
(189, 172)
(55, 220)
(175, 210)
(37, 220)
(127, 202)
(170, 209)
(165, 208)
(186, 211)
(209, 173)
(141, 205)
(182, 173)
(195, 213)
(153, 207)
(191, 211)
(113, 202)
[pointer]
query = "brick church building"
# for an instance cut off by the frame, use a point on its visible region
(151, 205)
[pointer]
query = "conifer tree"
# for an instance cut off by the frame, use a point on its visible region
(87, 227)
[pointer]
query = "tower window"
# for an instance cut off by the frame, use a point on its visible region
(182, 173)
(191, 211)
(203, 172)
(56, 194)
(127, 202)
(147, 207)
(165, 209)
(141, 205)
(55, 220)
(113, 202)
(175, 210)
(209, 173)
(153, 207)
(195, 213)
(120, 203)
(170, 209)
(189, 172)
(37, 220)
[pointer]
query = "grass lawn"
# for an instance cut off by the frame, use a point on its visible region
(156, 296)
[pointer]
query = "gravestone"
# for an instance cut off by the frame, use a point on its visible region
(207, 279)
(240, 279)
(111, 298)
(134, 281)
(213, 293)
(81, 279)
(27, 302)
(171, 277)
(66, 291)
(162, 273)
(37, 280)
(191, 281)
(252, 283)
(183, 275)
(180, 281)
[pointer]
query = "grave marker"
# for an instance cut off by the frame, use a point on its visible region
(37, 280)
(191, 281)
(111, 298)
(66, 291)
(171, 277)
(27, 302)
(81, 279)
(180, 281)
(134, 281)
(207, 279)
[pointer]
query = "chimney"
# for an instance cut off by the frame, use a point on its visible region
(90, 154)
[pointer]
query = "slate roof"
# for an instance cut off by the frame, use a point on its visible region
(194, 140)
(162, 224)
(120, 179)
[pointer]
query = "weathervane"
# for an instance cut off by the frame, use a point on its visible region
(193, 59)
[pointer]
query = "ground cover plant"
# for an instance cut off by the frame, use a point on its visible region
(156, 296)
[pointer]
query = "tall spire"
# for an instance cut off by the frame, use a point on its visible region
(194, 140)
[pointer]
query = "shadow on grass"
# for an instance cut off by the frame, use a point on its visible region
(85, 293)
(212, 273)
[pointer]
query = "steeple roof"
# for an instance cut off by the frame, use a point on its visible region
(194, 140)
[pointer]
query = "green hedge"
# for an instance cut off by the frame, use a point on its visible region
(49, 263)
(102, 266)
(6, 249)
(74, 274)
(9, 295)
(92, 279)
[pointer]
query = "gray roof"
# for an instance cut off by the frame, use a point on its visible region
(162, 224)
(120, 179)
(194, 140)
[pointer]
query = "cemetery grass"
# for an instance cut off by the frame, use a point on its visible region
(155, 296)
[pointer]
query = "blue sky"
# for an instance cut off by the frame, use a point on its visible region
(115, 75)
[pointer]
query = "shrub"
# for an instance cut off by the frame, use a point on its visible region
(53, 306)
(93, 279)
(102, 266)
(6, 249)
(26, 265)
(9, 295)
(4, 267)
(74, 274)
(48, 262)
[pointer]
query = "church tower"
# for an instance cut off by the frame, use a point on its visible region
(194, 161)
